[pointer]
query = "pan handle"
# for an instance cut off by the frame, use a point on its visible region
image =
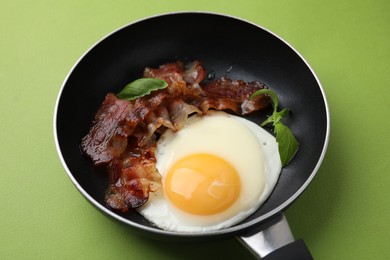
(275, 241)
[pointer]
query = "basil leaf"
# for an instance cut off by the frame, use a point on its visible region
(141, 87)
(269, 120)
(287, 143)
(284, 112)
(277, 116)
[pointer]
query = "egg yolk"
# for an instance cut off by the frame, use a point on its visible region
(202, 184)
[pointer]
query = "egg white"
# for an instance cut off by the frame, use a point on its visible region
(248, 147)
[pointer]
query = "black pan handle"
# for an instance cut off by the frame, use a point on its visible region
(296, 250)
(274, 241)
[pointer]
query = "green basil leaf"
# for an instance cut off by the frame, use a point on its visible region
(141, 87)
(277, 116)
(287, 143)
(284, 112)
(269, 120)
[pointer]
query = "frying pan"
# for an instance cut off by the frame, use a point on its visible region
(227, 46)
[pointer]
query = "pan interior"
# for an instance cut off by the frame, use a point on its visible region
(227, 47)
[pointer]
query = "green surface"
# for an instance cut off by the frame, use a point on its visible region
(344, 213)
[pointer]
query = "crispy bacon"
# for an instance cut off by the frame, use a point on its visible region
(132, 177)
(105, 139)
(124, 133)
(224, 93)
(182, 81)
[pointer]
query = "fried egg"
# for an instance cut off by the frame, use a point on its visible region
(216, 171)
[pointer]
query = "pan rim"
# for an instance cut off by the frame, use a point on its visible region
(230, 230)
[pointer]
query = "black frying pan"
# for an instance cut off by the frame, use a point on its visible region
(228, 47)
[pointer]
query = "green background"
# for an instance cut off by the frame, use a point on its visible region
(344, 213)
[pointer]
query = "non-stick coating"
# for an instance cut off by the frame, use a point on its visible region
(227, 47)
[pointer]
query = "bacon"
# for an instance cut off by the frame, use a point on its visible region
(182, 81)
(141, 110)
(124, 133)
(99, 144)
(114, 122)
(131, 178)
(172, 73)
(194, 73)
(179, 112)
(227, 94)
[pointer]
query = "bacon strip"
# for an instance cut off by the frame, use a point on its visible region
(224, 93)
(131, 178)
(99, 143)
(123, 135)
